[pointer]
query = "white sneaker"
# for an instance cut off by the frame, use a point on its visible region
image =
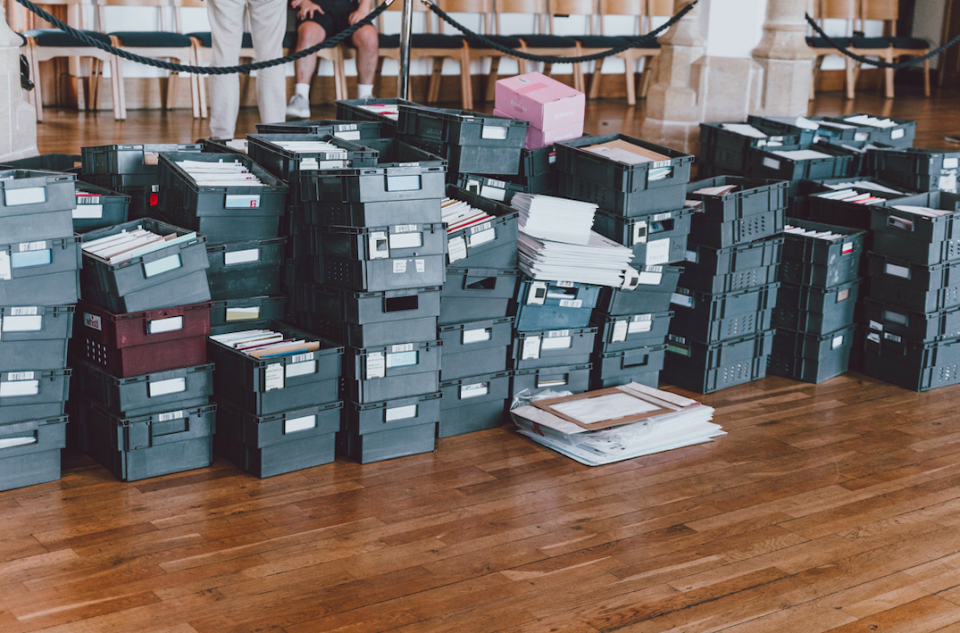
(298, 107)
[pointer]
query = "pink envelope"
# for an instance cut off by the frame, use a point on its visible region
(541, 138)
(544, 102)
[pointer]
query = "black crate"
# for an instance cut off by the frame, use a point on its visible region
(784, 126)
(656, 239)
(357, 110)
(245, 269)
(25, 195)
(621, 333)
(43, 272)
(490, 244)
(148, 393)
(902, 134)
(706, 261)
(572, 378)
(35, 336)
(819, 262)
(728, 149)
(386, 430)
(287, 165)
(490, 188)
(364, 314)
(477, 347)
(388, 243)
(34, 462)
(144, 199)
(144, 446)
(740, 280)
(169, 276)
(547, 184)
(281, 443)
(911, 364)
(926, 169)
(538, 162)
(347, 130)
(461, 127)
(709, 368)
(757, 211)
(817, 208)
(474, 403)
(388, 372)
(767, 164)
(386, 183)
(33, 394)
(477, 293)
(920, 288)
(641, 365)
(812, 358)
(919, 238)
(130, 159)
(98, 208)
(273, 385)
(625, 203)
(919, 326)
(574, 159)
(231, 315)
(653, 293)
(815, 310)
(46, 162)
(118, 182)
(501, 161)
(857, 150)
(549, 348)
(711, 318)
(554, 305)
(380, 274)
(394, 150)
(372, 334)
(361, 214)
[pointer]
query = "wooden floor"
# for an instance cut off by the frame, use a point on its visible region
(827, 508)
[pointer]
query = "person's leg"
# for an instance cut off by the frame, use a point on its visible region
(308, 34)
(268, 24)
(226, 27)
(366, 40)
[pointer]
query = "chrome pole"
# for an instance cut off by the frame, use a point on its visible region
(406, 31)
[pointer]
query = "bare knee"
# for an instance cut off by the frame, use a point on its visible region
(310, 34)
(366, 39)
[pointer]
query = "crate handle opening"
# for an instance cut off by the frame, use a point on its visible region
(14, 441)
(401, 304)
(901, 224)
(486, 283)
(645, 361)
(552, 382)
(172, 427)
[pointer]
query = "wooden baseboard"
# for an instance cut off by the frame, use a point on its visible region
(871, 79)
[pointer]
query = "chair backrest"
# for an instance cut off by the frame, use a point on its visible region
(636, 9)
(887, 11)
(160, 5)
(578, 8)
(536, 8)
(418, 7)
(660, 8)
(482, 8)
(14, 13)
(848, 10)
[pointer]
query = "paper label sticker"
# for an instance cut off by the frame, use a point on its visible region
(243, 314)
(772, 163)
(571, 303)
(843, 295)
(896, 317)
(164, 325)
(5, 271)
(876, 326)
(619, 332)
(403, 359)
(21, 323)
(494, 132)
(566, 284)
(862, 136)
(303, 368)
(273, 377)
(483, 237)
(658, 252)
(162, 265)
(837, 342)
(421, 265)
(649, 279)
(639, 232)
(558, 333)
(376, 365)
(898, 134)
(892, 337)
(400, 413)
(474, 391)
(456, 249)
(683, 301)
(399, 266)
(406, 228)
(88, 212)
(399, 349)
(166, 387)
(19, 388)
(297, 425)
(873, 337)
(531, 348)
(309, 164)
(241, 257)
(476, 336)
(948, 183)
(556, 342)
(640, 324)
(847, 248)
(21, 375)
(897, 271)
(951, 163)
(167, 417)
(92, 321)
(493, 193)
(538, 293)
(348, 136)
(242, 202)
(28, 195)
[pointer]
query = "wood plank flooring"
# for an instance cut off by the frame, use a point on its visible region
(827, 508)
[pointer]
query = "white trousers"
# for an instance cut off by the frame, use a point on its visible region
(268, 25)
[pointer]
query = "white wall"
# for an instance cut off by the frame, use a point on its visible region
(928, 23)
(733, 28)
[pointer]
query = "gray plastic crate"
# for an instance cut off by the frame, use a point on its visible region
(572, 378)
(44, 272)
(642, 365)
(386, 430)
(656, 239)
(477, 293)
(911, 364)
(35, 336)
(811, 358)
(231, 315)
(813, 261)
(712, 318)
(146, 394)
(474, 403)
(622, 333)
(27, 192)
(918, 238)
(549, 348)
(129, 159)
(654, 292)
(245, 269)
(33, 394)
(490, 244)
(554, 305)
(815, 310)
(708, 368)
(37, 461)
(919, 326)
(389, 372)
(914, 286)
(476, 347)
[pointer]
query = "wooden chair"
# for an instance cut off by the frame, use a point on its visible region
(540, 43)
(888, 11)
(47, 44)
(429, 45)
(163, 44)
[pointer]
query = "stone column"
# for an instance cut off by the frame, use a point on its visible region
(786, 59)
(18, 119)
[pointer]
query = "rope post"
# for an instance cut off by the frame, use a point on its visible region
(406, 32)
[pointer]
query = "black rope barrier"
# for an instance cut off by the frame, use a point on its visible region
(205, 70)
(638, 42)
(878, 62)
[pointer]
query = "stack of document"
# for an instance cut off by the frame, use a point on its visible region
(224, 173)
(389, 111)
(802, 154)
(852, 196)
(625, 152)
(923, 211)
(820, 235)
(717, 191)
(133, 243)
(309, 147)
(863, 184)
(588, 428)
(459, 215)
(239, 144)
(872, 121)
(556, 219)
(265, 344)
(743, 129)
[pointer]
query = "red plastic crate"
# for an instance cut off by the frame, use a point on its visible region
(140, 343)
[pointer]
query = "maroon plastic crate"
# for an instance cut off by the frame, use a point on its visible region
(140, 343)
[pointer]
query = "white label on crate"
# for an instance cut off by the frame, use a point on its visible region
(380, 248)
(5, 273)
(303, 368)
(29, 247)
(404, 359)
(892, 337)
(660, 164)
(861, 136)
(457, 249)
(273, 377)
(495, 132)
(948, 183)
(476, 336)
(873, 337)
(296, 425)
(399, 265)
(166, 387)
(772, 163)
(897, 134)
(474, 391)
(538, 293)
(566, 284)
(21, 375)
(661, 217)
(406, 240)
(683, 301)
(658, 252)
(32, 311)
(896, 317)
(242, 202)
(897, 271)
(19, 388)
(406, 228)
(619, 332)
(243, 314)
(951, 163)
(88, 212)
(376, 365)
(87, 199)
(876, 326)
(309, 164)
(640, 232)
(92, 321)
(301, 358)
(399, 349)
(22, 324)
(556, 342)
(421, 265)
(482, 237)
(531, 348)
(552, 158)
(162, 265)
(400, 413)
(847, 248)
(558, 333)
(348, 136)
(641, 323)
(571, 303)
(29, 195)
(165, 325)
(493, 193)
(837, 342)
(648, 278)
(173, 415)
(333, 164)
(241, 257)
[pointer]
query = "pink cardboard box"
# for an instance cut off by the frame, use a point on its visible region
(544, 102)
(541, 138)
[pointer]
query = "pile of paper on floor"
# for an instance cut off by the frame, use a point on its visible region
(611, 425)
(557, 244)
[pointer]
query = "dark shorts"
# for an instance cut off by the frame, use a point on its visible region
(335, 16)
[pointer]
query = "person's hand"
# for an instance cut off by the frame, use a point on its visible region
(306, 8)
(362, 12)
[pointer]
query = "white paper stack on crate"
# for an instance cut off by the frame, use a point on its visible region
(39, 263)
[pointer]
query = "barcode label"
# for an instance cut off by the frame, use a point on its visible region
(24, 311)
(479, 228)
(660, 217)
(20, 375)
(397, 349)
(558, 334)
(166, 417)
(29, 247)
(661, 164)
(406, 228)
(571, 303)
(565, 284)
(83, 199)
(301, 358)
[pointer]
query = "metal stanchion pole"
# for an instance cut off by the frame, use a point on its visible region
(406, 29)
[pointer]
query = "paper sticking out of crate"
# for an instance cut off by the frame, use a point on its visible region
(263, 344)
(744, 129)
(714, 191)
(630, 154)
(220, 174)
(820, 235)
(852, 196)
(129, 244)
(864, 184)
(872, 121)
(458, 215)
(555, 219)
(382, 109)
(802, 154)
(611, 425)
(923, 211)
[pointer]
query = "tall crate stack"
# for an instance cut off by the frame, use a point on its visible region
(815, 314)
(39, 264)
(721, 334)
(913, 310)
(143, 404)
(641, 191)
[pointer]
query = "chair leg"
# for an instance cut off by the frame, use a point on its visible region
(378, 77)
(628, 73)
(115, 88)
(578, 82)
(548, 69)
(434, 92)
(522, 64)
(850, 77)
(466, 80)
(888, 75)
(121, 89)
(926, 78)
(492, 79)
(595, 80)
(170, 100)
(817, 70)
(98, 100)
(343, 73)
